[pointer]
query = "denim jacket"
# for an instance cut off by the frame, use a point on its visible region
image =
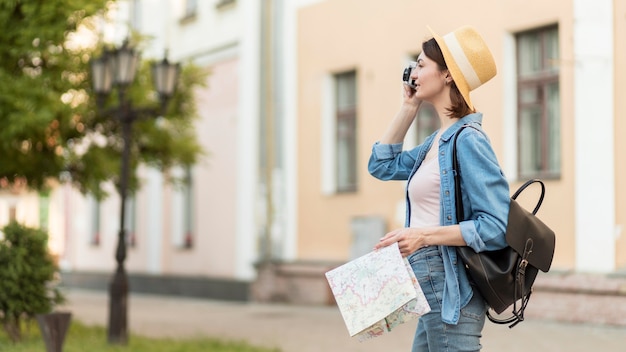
(485, 197)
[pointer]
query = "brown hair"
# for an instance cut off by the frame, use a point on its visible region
(459, 107)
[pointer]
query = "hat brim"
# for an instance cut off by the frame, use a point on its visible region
(454, 69)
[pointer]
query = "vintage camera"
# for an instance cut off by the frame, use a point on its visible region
(406, 75)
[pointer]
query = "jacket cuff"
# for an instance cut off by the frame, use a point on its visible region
(386, 151)
(470, 235)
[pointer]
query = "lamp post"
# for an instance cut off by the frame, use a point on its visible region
(117, 68)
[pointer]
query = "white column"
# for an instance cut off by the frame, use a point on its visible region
(248, 140)
(508, 70)
(290, 132)
(594, 147)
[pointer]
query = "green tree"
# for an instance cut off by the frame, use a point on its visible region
(50, 124)
(26, 277)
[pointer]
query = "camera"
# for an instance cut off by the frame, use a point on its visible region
(406, 75)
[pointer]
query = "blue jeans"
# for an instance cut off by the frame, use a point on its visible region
(432, 334)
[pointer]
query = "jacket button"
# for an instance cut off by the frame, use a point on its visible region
(449, 217)
(447, 193)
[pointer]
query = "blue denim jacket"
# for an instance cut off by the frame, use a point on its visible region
(485, 197)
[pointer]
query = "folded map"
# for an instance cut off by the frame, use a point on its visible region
(377, 292)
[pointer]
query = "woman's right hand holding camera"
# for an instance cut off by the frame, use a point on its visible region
(410, 96)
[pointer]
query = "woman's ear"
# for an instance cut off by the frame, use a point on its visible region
(448, 77)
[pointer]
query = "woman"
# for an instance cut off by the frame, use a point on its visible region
(447, 70)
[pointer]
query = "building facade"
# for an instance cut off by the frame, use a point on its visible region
(237, 209)
(552, 112)
(298, 92)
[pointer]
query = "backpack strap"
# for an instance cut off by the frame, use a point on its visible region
(518, 313)
(457, 175)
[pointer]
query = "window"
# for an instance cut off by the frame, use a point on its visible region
(191, 8)
(224, 3)
(188, 209)
(182, 209)
(345, 115)
(130, 222)
(94, 236)
(44, 210)
(12, 213)
(538, 101)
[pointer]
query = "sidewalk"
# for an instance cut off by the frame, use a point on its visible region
(313, 329)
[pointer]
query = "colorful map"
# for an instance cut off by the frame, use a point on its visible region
(377, 292)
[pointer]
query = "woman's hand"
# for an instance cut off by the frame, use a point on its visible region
(409, 240)
(410, 97)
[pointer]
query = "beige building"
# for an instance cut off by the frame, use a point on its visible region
(552, 112)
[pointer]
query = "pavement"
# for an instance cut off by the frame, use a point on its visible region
(298, 328)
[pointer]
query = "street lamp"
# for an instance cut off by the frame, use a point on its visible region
(117, 68)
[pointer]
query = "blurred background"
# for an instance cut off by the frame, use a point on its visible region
(293, 95)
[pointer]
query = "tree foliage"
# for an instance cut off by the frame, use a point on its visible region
(27, 271)
(50, 124)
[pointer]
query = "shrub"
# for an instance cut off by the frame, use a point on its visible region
(27, 272)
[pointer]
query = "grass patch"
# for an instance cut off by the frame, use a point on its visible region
(81, 338)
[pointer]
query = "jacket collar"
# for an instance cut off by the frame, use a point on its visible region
(475, 118)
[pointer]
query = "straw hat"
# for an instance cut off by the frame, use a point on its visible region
(468, 59)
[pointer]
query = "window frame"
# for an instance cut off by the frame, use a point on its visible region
(540, 80)
(347, 115)
(182, 208)
(223, 3)
(96, 228)
(130, 221)
(190, 11)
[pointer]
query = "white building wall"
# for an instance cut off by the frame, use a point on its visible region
(226, 238)
(212, 39)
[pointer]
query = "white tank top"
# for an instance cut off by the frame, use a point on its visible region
(424, 193)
